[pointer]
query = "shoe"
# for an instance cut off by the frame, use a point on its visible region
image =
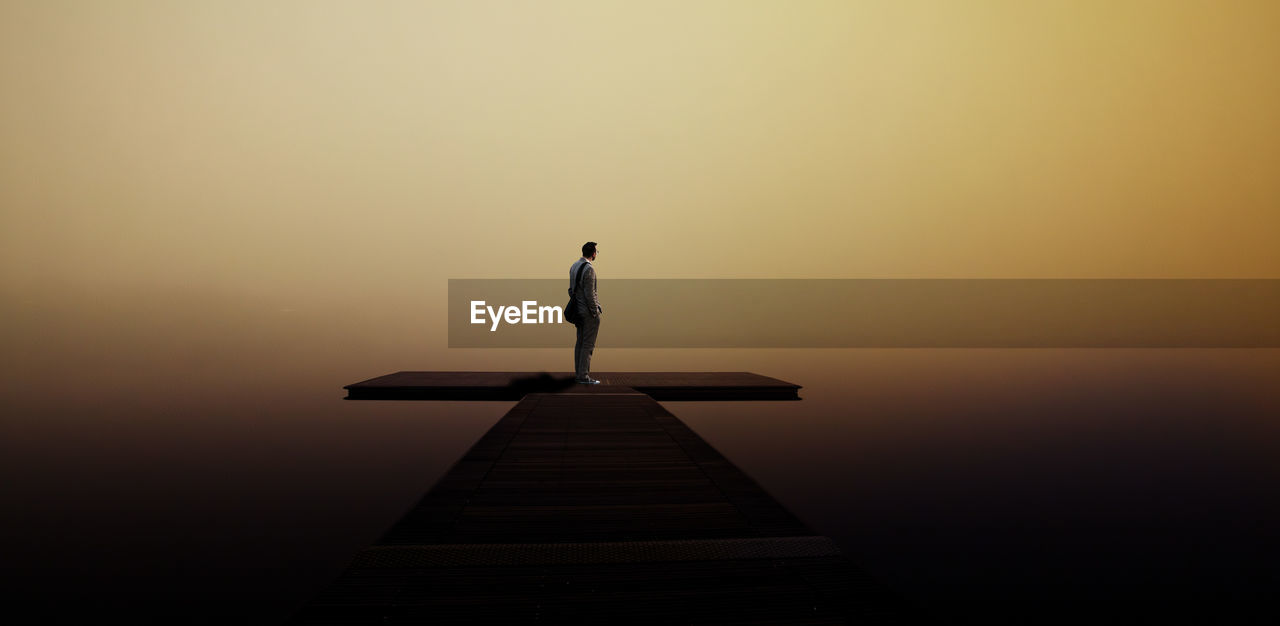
(589, 381)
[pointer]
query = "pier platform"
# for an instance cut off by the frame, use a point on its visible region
(598, 506)
(515, 385)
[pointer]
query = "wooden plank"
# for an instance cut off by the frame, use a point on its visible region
(593, 507)
(434, 385)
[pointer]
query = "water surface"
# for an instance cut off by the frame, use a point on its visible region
(170, 455)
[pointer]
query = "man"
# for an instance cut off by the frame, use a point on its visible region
(589, 311)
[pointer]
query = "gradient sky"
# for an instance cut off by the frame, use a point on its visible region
(297, 147)
(214, 214)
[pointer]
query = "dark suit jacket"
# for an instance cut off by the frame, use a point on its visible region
(587, 298)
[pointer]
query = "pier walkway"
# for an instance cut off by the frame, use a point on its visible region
(589, 504)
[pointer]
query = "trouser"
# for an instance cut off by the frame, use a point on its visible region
(585, 345)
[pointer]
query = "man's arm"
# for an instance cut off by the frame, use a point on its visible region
(593, 297)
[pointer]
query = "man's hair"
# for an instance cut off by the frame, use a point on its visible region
(588, 249)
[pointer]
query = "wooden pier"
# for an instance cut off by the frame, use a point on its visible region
(596, 504)
(516, 385)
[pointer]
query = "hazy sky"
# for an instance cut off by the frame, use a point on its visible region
(307, 147)
(215, 213)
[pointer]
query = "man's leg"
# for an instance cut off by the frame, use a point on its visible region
(577, 353)
(588, 330)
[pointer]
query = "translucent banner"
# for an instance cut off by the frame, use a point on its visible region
(874, 313)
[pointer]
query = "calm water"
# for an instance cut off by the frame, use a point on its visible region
(177, 457)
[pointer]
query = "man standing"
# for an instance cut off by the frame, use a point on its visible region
(589, 311)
